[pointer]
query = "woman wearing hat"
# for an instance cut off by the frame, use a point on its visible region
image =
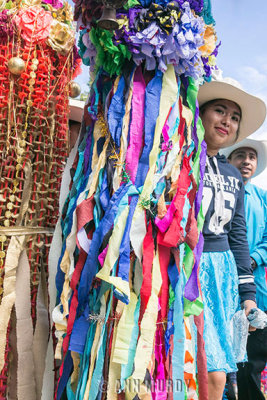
(250, 158)
(228, 115)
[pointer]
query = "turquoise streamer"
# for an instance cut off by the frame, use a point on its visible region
(178, 337)
(207, 13)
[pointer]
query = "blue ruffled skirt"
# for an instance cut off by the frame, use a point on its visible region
(219, 284)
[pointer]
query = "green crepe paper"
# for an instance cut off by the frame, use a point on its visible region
(131, 4)
(9, 5)
(192, 92)
(109, 57)
(171, 296)
(188, 261)
(195, 307)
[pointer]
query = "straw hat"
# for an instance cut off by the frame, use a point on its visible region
(253, 108)
(259, 146)
(76, 110)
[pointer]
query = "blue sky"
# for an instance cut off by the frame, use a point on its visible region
(241, 26)
(242, 29)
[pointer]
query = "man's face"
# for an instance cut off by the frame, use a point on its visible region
(245, 159)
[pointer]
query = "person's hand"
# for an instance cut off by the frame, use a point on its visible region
(248, 305)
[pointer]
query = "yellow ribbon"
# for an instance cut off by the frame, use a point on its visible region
(114, 368)
(124, 332)
(113, 254)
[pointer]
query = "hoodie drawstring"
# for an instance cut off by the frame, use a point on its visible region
(219, 197)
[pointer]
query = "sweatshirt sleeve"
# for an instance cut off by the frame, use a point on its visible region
(237, 238)
(260, 252)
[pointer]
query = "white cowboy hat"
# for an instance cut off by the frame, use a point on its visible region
(260, 146)
(76, 110)
(253, 108)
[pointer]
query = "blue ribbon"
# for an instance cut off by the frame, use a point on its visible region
(152, 103)
(116, 112)
(67, 367)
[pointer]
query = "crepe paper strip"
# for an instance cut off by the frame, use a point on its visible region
(100, 351)
(100, 131)
(65, 260)
(169, 330)
(190, 371)
(175, 234)
(168, 96)
(65, 370)
(84, 365)
(166, 159)
(124, 260)
(201, 359)
(207, 13)
(178, 337)
(74, 301)
(110, 57)
(90, 267)
(124, 332)
(114, 368)
(102, 256)
(96, 344)
(182, 187)
(113, 247)
(148, 327)
(120, 282)
(164, 260)
(148, 257)
(72, 383)
(126, 369)
(160, 392)
(109, 215)
(198, 137)
(124, 138)
(152, 104)
(131, 4)
(94, 178)
(93, 356)
(199, 167)
(137, 124)
(116, 112)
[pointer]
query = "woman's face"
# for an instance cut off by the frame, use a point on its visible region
(221, 120)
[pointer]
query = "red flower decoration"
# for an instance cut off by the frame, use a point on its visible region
(34, 23)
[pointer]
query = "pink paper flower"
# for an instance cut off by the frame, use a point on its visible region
(34, 23)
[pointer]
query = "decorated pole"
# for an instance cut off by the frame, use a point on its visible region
(37, 61)
(127, 279)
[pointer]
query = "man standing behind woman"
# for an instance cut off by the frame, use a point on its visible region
(250, 158)
(228, 115)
